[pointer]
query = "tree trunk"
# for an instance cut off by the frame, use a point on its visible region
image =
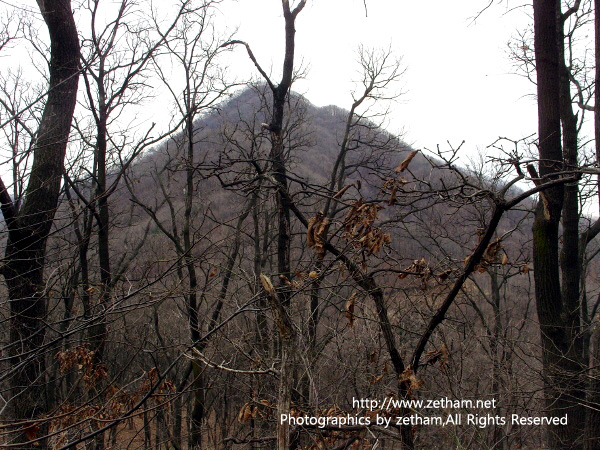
(197, 413)
(287, 337)
(29, 227)
(499, 436)
(562, 395)
(280, 302)
(570, 263)
(99, 330)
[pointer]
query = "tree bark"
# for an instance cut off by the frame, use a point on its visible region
(570, 262)
(562, 395)
(278, 161)
(29, 227)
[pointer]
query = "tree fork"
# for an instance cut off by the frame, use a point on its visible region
(29, 227)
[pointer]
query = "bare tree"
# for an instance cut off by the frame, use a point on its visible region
(280, 301)
(193, 49)
(30, 224)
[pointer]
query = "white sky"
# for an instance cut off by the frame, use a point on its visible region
(459, 81)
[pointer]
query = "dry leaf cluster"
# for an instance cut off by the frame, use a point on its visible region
(491, 256)
(82, 359)
(377, 379)
(440, 356)
(420, 269)
(417, 268)
(392, 184)
(118, 401)
(317, 227)
(410, 380)
(255, 410)
(359, 228)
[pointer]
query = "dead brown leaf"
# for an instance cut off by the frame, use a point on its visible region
(267, 285)
(31, 430)
(245, 413)
(317, 226)
(409, 378)
(404, 164)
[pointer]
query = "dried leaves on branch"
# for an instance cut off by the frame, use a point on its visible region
(404, 164)
(317, 227)
(360, 229)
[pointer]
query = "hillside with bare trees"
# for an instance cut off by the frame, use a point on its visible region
(257, 272)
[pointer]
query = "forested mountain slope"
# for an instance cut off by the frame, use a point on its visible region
(412, 230)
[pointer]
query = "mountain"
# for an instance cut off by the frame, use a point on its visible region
(229, 138)
(428, 215)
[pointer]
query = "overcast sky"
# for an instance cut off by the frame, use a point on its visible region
(459, 82)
